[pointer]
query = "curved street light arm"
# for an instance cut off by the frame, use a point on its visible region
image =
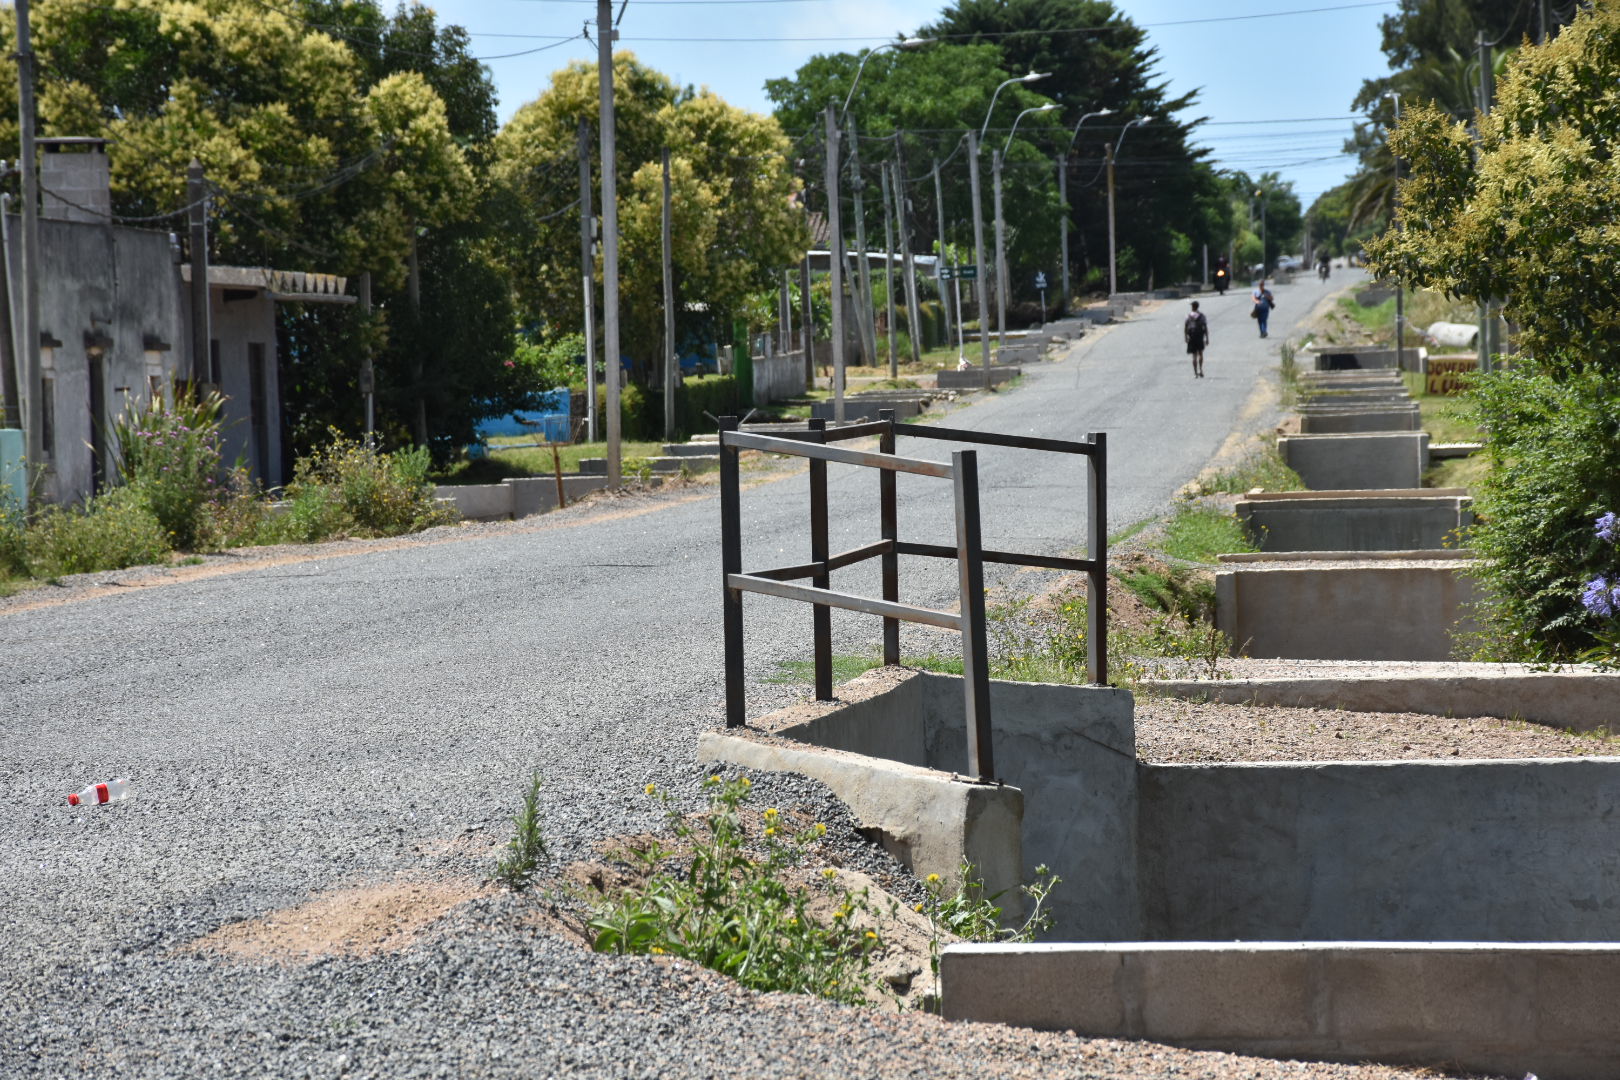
(1048, 107)
(1031, 77)
(908, 43)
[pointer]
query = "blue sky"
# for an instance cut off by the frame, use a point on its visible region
(1276, 79)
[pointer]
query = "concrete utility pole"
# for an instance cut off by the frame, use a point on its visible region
(605, 35)
(33, 399)
(978, 253)
(10, 378)
(587, 273)
(835, 261)
(1063, 231)
(863, 272)
(1400, 290)
(903, 205)
(807, 322)
(888, 267)
(368, 371)
(1001, 254)
(671, 364)
(197, 240)
(944, 293)
(1113, 280)
(1487, 341)
(784, 313)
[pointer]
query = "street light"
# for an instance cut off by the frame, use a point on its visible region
(1001, 243)
(908, 43)
(1260, 195)
(974, 138)
(1063, 199)
(1113, 152)
(1400, 290)
(836, 236)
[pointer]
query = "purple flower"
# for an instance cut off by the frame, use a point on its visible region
(1598, 599)
(1605, 526)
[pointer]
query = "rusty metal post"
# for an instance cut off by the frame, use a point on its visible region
(890, 526)
(1097, 584)
(975, 646)
(821, 579)
(731, 563)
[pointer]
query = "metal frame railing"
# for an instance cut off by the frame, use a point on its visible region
(963, 472)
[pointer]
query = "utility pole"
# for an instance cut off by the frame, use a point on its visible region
(807, 322)
(835, 261)
(33, 398)
(903, 205)
(1063, 230)
(587, 275)
(863, 273)
(1113, 281)
(784, 313)
(1001, 255)
(978, 252)
(197, 240)
(888, 266)
(10, 378)
(671, 365)
(944, 293)
(1487, 342)
(368, 371)
(605, 34)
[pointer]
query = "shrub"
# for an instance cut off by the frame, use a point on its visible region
(110, 532)
(1554, 466)
(349, 488)
(13, 540)
(169, 458)
(723, 907)
(643, 409)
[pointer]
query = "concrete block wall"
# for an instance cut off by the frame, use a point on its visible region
(974, 377)
(1327, 420)
(515, 498)
(1486, 1007)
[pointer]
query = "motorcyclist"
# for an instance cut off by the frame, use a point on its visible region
(1324, 264)
(1223, 275)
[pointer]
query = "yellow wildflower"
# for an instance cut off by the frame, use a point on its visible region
(771, 814)
(711, 781)
(657, 951)
(917, 908)
(829, 873)
(745, 782)
(770, 832)
(821, 830)
(933, 879)
(651, 788)
(871, 935)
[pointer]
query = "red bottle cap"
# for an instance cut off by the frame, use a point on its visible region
(73, 800)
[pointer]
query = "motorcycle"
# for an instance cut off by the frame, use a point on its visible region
(1322, 271)
(1222, 280)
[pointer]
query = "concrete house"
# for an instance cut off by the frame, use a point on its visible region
(115, 326)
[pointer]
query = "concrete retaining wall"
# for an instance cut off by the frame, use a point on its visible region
(1353, 357)
(1577, 699)
(1398, 521)
(973, 378)
(857, 407)
(1370, 609)
(1352, 421)
(1482, 1007)
(1386, 851)
(515, 498)
(1379, 460)
(778, 377)
(1068, 750)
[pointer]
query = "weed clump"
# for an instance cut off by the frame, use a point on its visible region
(527, 848)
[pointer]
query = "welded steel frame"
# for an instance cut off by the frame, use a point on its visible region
(813, 444)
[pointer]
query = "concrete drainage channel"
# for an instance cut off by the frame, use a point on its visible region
(1457, 912)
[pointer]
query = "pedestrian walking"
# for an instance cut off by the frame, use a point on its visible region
(1263, 303)
(1196, 331)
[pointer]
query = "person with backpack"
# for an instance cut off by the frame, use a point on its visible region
(1196, 331)
(1263, 303)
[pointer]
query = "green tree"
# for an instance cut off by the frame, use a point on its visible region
(1527, 217)
(736, 224)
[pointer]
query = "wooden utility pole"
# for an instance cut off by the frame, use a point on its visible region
(978, 254)
(368, 371)
(944, 293)
(670, 362)
(863, 272)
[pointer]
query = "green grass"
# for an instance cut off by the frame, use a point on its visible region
(1377, 317)
(1262, 469)
(1198, 535)
(1468, 472)
(1445, 416)
(845, 668)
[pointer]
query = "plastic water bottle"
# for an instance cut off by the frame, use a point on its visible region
(111, 791)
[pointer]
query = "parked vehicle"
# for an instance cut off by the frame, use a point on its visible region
(1290, 262)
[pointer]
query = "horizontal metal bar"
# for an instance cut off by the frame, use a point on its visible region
(860, 554)
(796, 436)
(837, 562)
(864, 604)
(990, 438)
(857, 431)
(749, 441)
(1010, 558)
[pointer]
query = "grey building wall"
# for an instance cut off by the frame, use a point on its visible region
(107, 293)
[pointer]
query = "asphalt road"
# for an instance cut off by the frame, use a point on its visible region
(349, 720)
